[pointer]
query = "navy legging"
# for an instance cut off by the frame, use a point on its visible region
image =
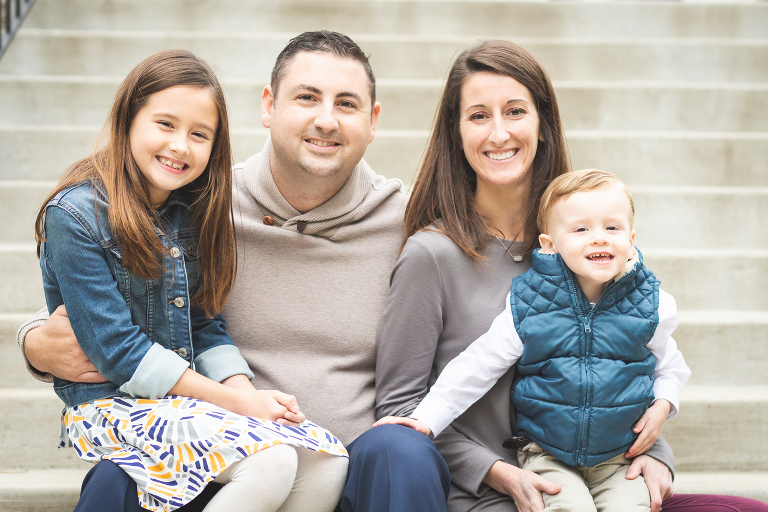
(391, 469)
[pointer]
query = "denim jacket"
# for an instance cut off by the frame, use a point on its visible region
(141, 334)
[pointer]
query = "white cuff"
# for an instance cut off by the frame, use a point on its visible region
(669, 391)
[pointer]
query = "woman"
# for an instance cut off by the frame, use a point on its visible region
(469, 230)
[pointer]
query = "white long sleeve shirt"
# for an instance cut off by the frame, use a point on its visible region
(473, 372)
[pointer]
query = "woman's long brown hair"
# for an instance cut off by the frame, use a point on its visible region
(132, 219)
(444, 193)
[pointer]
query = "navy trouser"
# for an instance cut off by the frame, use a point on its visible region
(391, 469)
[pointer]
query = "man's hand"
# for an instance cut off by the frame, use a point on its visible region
(649, 427)
(413, 423)
(52, 348)
(525, 487)
(657, 477)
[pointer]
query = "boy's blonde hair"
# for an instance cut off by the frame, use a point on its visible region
(566, 185)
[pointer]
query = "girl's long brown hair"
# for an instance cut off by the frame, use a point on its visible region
(132, 219)
(444, 193)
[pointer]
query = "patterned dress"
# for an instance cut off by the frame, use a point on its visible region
(174, 446)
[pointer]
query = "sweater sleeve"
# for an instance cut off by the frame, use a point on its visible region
(671, 372)
(406, 343)
(471, 374)
(408, 332)
(21, 335)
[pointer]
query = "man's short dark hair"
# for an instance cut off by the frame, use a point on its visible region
(321, 41)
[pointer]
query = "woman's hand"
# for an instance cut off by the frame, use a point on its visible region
(657, 477)
(525, 487)
(415, 424)
(649, 427)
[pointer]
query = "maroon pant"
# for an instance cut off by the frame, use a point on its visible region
(711, 503)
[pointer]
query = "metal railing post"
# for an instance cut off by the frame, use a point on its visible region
(12, 14)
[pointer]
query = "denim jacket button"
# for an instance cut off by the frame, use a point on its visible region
(183, 352)
(178, 302)
(175, 252)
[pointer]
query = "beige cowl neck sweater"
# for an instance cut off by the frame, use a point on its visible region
(306, 305)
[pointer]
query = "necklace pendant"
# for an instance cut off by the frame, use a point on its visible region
(517, 257)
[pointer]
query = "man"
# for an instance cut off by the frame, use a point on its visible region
(318, 234)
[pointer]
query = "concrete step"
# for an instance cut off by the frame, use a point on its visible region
(734, 483)
(57, 490)
(742, 20)
(679, 217)
(13, 371)
(29, 437)
(410, 104)
(737, 416)
(41, 490)
(732, 279)
(700, 217)
(724, 347)
(21, 288)
(19, 204)
(393, 56)
(639, 158)
(30, 422)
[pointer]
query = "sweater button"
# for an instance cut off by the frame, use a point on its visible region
(183, 352)
(268, 221)
(178, 302)
(175, 252)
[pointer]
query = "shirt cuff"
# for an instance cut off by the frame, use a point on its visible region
(159, 370)
(221, 362)
(670, 392)
(21, 334)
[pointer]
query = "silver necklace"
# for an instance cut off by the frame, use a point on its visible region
(515, 257)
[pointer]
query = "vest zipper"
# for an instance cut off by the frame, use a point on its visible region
(586, 321)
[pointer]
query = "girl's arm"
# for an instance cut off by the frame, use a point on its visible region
(217, 358)
(238, 395)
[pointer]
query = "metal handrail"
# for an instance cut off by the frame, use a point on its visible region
(12, 14)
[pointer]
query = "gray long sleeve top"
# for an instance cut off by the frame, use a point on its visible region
(439, 302)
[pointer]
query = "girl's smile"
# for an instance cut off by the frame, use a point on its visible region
(171, 138)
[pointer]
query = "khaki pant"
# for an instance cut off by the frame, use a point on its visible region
(601, 488)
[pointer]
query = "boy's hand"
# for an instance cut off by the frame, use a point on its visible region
(415, 424)
(649, 427)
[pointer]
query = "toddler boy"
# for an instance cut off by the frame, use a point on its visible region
(589, 328)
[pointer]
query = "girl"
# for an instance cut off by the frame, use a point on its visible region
(138, 242)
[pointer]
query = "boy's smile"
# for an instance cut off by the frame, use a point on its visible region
(592, 232)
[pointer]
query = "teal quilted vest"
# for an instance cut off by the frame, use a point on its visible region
(585, 376)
